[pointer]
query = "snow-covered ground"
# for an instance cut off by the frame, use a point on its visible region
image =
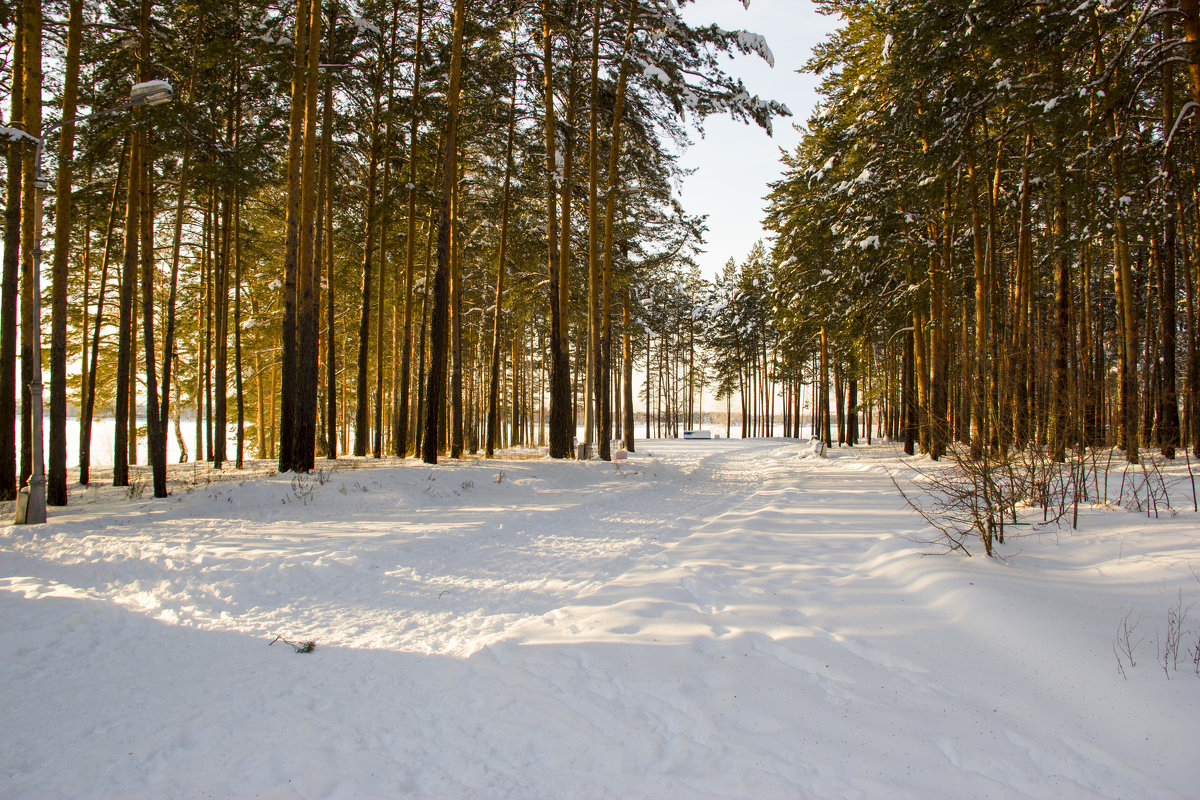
(707, 619)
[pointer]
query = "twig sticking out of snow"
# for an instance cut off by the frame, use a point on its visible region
(300, 647)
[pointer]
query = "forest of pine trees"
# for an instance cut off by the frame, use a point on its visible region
(379, 227)
(991, 223)
(430, 227)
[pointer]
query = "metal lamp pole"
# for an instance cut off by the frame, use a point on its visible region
(31, 499)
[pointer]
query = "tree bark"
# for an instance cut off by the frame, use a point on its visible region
(30, 224)
(291, 253)
(1168, 405)
(308, 289)
(384, 224)
(156, 425)
(9, 284)
(88, 400)
(493, 412)
(402, 406)
(441, 281)
(362, 391)
(560, 368)
(610, 222)
(126, 359)
(56, 475)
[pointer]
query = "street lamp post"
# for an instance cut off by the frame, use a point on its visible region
(31, 499)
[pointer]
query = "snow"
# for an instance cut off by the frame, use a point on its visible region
(706, 619)
(655, 73)
(363, 24)
(15, 135)
(756, 43)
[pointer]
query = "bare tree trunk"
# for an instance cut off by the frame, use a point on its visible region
(824, 429)
(979, 383)
(455, 434)
(291, 253)
(402, 406)
(592, 409)
(493, 412)
(1191, 32)
(56, 475)
(30, 230)
(1168, 405)
(326, 231)
(627, 382)
(1127, 325)
(156, 426)
(220, 426)
(560, 369)
(170, 361)
(362, 393)
(9, 287)
(610, 220)
(308, 290)
(126, 360)
(441, 290)
(88, 400)
(237, 289)
(384, 224)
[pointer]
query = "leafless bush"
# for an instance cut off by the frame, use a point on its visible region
(1125, 645)
(978, 497)
(303, 487)
(1173, 637)
(1170, 644)
(136, 488)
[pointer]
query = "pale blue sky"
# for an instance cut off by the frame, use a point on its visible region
(735, 162)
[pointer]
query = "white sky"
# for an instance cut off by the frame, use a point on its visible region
(735, 162)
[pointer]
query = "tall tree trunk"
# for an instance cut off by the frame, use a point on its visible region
(31, 217)
(455, 434)
(402, 406)
(1059, 390)
(441, 280)
(291, 253)
(568, 196)
(362, 390)
(56, 476)
(170, 361)
(88, 400)
(126, 360)
(1020, 366)
(239, 384)
(627, 378)
(9, 287)
(156, 426)
(1127, 348)
(493, 412)
(593, 348)
(384, 225)
(325, 239)
(1168, 405)
(308, 289)
(824, 430)
(610, 221)
(1191, 32)
(221, 271)
(560, 368)
(979, 383)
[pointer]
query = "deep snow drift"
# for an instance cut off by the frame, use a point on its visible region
(708, 619)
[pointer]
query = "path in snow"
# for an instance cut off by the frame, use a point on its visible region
(710, 619)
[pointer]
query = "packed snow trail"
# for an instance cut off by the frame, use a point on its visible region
(709, 619)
